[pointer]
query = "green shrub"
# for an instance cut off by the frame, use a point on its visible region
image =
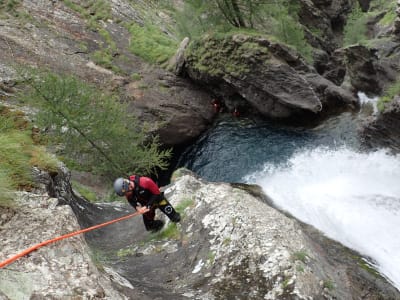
(18, 154)
(300, 255)
(10, 7)
(151, 44)
(184, 204)
(92, 10)
(6, 189)
(390, 14)
(84, 191)
(388, 95)
(355, 30)
(170, 232)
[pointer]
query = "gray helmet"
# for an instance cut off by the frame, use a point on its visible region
(121, 186)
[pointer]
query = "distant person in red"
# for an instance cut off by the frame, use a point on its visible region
(145, 196)
(217, 105)
(236, 112)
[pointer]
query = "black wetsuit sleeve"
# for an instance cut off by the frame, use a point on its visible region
(133, 201)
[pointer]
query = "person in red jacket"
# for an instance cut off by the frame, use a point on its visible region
(145, 196)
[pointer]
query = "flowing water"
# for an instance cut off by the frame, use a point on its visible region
(318, 175)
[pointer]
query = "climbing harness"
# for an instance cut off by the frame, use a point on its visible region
(71, 234)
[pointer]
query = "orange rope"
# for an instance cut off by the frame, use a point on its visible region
(33, 248)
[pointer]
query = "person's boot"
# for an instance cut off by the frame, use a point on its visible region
(156, 225)
(176, 217)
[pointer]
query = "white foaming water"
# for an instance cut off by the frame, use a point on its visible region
(352, 197)
(365, 100)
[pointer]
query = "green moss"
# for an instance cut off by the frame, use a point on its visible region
(365, 265)
(328, 284)
(300, 255)
(136, 77)
(184, 204)
(211, 257)
(217, 55)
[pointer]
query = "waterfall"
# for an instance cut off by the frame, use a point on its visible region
(368, 101)
(352, 197)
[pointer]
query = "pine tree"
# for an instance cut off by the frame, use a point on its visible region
(94, 129)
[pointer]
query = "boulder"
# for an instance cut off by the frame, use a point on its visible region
(271, 78)
(176, 63)
(383, 130)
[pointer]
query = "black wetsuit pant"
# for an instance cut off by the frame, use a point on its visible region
(166, 208)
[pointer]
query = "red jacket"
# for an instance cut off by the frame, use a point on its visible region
(146, 191)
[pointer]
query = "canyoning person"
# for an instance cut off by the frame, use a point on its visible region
(217, 105)
(145, 196)
(236, 112)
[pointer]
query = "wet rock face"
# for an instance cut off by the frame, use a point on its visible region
(383, 131)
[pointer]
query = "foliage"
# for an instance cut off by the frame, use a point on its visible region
(104, 56)
(84, 191)
(93, 128)
(10, 6)
(99, 258)
(5, 189)
(170, 232)
(211, 257)
(151, 44)
(121, 253)
(300, 255)
(356, 28)
(275, 18)
(184, 204)
(390, 15)
(18, 154)
(94, 11)
(195, 19)
(388, 95)
(367, 266)
(328, 284)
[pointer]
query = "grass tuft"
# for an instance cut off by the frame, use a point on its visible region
(18, 154)
(151, 44)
